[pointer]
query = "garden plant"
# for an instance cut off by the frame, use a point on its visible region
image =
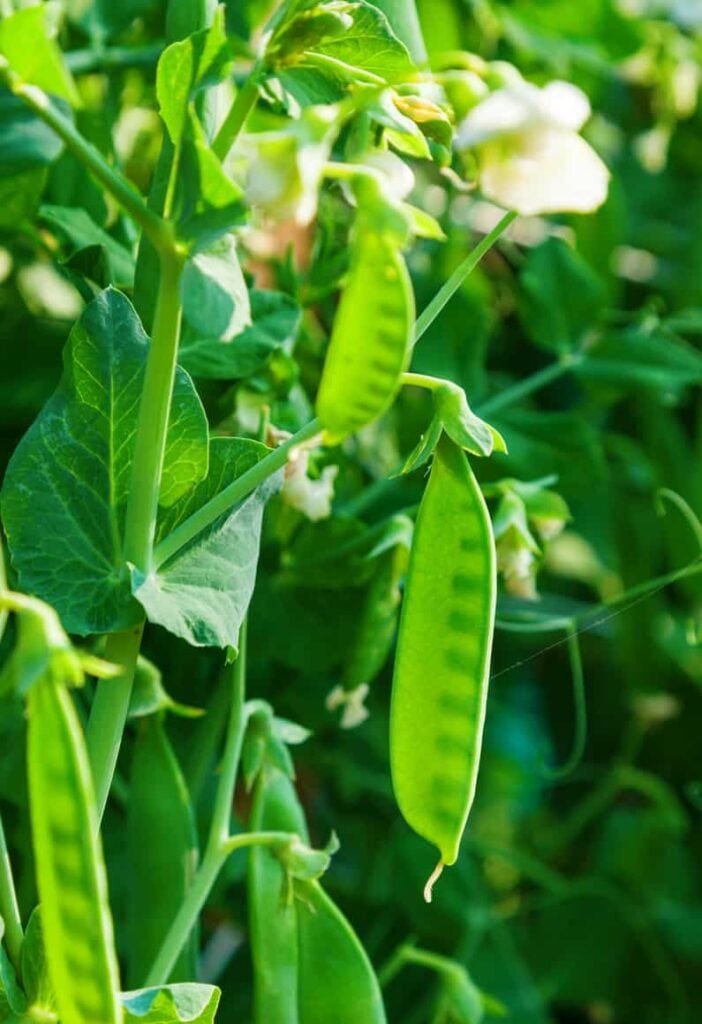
(350, 561)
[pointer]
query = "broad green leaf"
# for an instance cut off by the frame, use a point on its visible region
(215, 297)
(641, 359)
(35, 973)
(275, 322)
(207, 203)
(162, 852)
(19, 196)
(27, 43)
(65, 492)
(83, 233)
(202, 593)
(562, 297)
(188, 1003)
(198, 62)
(370, 44)
(26, 143)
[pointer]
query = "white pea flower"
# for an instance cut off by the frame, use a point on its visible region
(517, 563)
(352, 701)
(311, 497)
(529, 154)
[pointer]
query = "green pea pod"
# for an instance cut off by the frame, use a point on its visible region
(376, 628)
(443, 656)
(272, 919)
(162, 851)
(337, 981)
(71, 875)
(371, 339)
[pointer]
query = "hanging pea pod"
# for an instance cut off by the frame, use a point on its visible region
(70, 871)
(443, 657)
(271, 909)
(371, 339)
(337, 981)
(162, 852)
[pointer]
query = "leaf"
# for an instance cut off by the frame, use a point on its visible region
(562, 297)
(12, 998)
(35, 976)
(643, 359)
(365, 51)
(82, 231)
(65, 492)
(202, 593)
(215, 296)
(27, 43)
(184, 68)
(26, 143)
(102, 19)
(162, 852)
(172, 1004)
(275, 323)
(149, 695)
(207, 203)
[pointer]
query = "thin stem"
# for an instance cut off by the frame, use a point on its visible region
(108, 713)
(157, 230)
(196, 898)
(220, 843)
(235, 120)
(580, 710)
(448, 290)
(421, 380)
(221, 816)
(9, 908)
(530, 384)
(152, 422)
(231, 495)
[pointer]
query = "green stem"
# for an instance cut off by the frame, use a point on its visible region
(235, 120)
(205, 879)
(108, 713)
(221, 816)
(448, 290)
(231, 495)
(152, 422)
(113, 58)
(157, 230)
(530, 384)
(421, 380)
(9, 908)
(220, 843)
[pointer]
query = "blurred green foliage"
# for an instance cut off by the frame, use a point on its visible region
(577, 900)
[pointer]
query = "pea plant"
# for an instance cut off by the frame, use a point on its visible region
(228, 202)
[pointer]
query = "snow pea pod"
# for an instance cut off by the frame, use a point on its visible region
(443, 656)
(162, 852)
(71, 875)
(272, 914)
(337, 981)
(371, 338)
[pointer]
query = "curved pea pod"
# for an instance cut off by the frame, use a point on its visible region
(272, 915)
(443, 656)
(162, 853)
(337, 981)
(371, 340)
(70, 870)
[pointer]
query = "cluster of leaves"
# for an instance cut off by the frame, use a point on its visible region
(579, 339)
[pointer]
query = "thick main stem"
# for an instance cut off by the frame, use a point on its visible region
(152, 422)
(108, 713)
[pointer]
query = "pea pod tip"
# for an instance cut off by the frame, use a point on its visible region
(431, 881)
